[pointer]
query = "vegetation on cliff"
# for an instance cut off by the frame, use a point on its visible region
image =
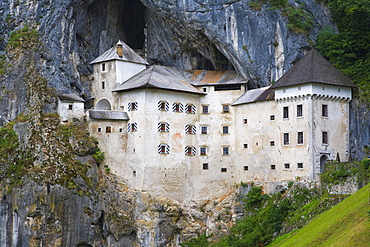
(349, 49)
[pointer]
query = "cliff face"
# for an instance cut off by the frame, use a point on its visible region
(45, 49)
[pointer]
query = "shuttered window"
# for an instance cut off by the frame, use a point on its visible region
(163, 149)
(132, 127)
(190, 129)
(163, 127)
(163, 106)
(132, 106)
(189, 150)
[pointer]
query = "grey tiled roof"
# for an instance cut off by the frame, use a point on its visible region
(70, 97)
(129, 55)
(160, 77)
(254, 95)
(109, 115)
(206, 77)
(313, 68)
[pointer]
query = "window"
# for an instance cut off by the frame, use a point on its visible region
(163, 149)
(245, 168)
(273, 167)
(285, 112)
(205, 89)
(205, 109)
(132, 106)
(205, 166)
(190, 129)
(223, 169)
(120, 129)
(132, 127)
(287, 166)
(245, 121)
(163, 106)
(70, 107)
(225, 129)
(189, 150)
(225, 151)
(225, 108)
(108, 129)
(286, 139)
(272, 117)
(99, 129)
(299, 88)
(203, 150)
(190, 108)
(272, 143)
(103, 85)
(324, 110)
(103, 67)
(325, 137)
(299, 110)
(163, 127)
(300, 165)
(204, 130)
(245, 145)
(177, 107)
(300, 137)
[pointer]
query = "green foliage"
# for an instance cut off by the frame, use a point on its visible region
(255, 6)
(299, 20)
(3, 65)
(279, 4)
(98, 156)
(349, 49)
(200, 241)
(339, 172)
(24, 38)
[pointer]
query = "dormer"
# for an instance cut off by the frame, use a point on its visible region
(313, 75)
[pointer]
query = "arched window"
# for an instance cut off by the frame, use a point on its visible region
(103, 104)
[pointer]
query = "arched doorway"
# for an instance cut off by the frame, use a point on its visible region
(323, 160)
(103, 104)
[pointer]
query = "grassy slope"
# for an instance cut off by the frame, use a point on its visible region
(346, 224)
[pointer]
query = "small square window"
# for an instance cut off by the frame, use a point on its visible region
(272, 143)
(225, 129)
(223, 169)
(299, 88)
(245, 168)
(273, 167)
(245, 121)
(225, 108)
(205, 166)
(99, 129)
(108, 129)
(338, 90)
(204, 89)
(70, 107)
(203, 151)
(245, 145)
(204, 130)
(287, 166)
(205, 109)
(225, 151)
(285, 112)
(300, 165)
(272, 117)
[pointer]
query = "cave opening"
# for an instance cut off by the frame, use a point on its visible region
(133, 23)
(219, 63)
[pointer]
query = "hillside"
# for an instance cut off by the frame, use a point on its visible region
(346, 224)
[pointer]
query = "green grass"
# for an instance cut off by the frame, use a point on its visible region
(346, 224)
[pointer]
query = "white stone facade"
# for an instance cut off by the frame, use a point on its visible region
(203, 153)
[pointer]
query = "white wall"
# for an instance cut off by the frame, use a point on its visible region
(66, 114)
(126, 70)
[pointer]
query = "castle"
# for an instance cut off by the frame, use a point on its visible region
(193, 135)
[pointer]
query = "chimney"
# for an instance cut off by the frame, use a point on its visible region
(119, 48)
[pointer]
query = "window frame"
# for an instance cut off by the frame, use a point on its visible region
(225, 150)
(286, 139)
(285, 112)
(287, 166)
(165, 125)
(108, 129)
(205, 109)
(190, 109)
(177, 107)
(272, 143)
(324, 111)
(132, 106)
(300, 139)
(205, 166)
(225, 108)
(272, 117)
(325, 137)
(203, 151)
(103, 67)
(300, 111)
(225, 127)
